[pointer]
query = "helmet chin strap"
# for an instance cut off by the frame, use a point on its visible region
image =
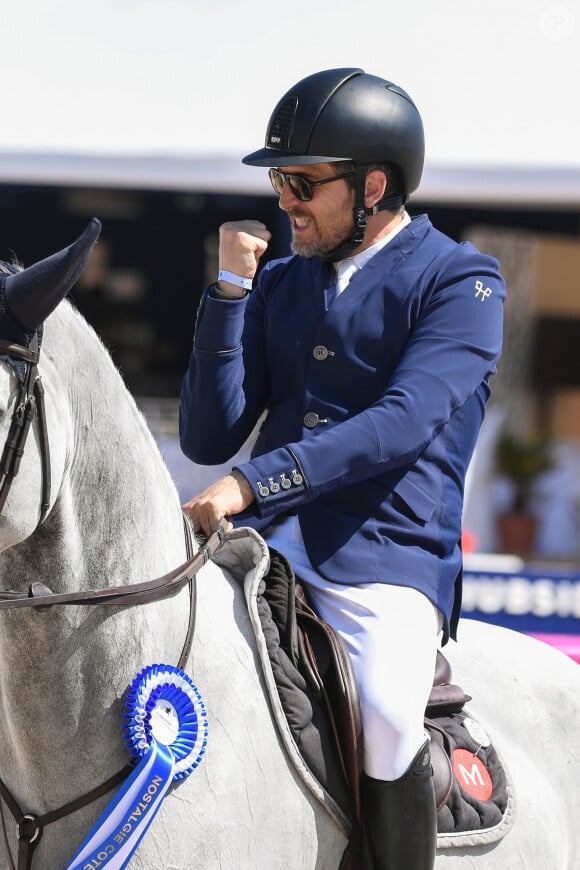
(360, 213)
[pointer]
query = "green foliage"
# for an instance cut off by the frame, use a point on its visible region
(523, 461)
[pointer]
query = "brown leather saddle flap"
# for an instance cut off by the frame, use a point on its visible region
(326, 665)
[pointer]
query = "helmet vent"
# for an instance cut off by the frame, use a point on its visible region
(280, 131)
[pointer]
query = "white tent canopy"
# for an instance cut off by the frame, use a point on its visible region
(171, 93)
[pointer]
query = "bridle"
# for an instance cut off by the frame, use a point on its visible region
(30, 403)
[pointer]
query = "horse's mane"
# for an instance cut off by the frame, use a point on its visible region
(10, 267)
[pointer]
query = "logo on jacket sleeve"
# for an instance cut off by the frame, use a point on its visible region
(482, 293)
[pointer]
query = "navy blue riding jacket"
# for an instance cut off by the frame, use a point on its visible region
(373, 407)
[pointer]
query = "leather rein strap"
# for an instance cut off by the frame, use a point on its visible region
(131, 594)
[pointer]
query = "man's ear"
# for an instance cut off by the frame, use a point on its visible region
(375, 186)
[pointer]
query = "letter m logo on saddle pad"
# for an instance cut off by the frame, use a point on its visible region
(472, 775)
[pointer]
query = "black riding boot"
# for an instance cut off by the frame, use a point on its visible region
(400, 817)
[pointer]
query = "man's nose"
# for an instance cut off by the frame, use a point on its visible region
(288, 198)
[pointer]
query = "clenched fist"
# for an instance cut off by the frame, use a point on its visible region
(242, 243)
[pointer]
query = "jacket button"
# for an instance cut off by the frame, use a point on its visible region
(312, 419)
(320, 353)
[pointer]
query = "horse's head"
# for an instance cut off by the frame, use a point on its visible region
(27, 298)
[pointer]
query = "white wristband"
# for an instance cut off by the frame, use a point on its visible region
(232, 278)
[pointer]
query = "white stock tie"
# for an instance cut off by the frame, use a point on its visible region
(345, 271)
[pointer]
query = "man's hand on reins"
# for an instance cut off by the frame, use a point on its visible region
(225, 498)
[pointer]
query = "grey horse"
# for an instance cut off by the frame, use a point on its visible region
(111, 517)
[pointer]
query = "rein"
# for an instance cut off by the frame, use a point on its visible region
(137, 593)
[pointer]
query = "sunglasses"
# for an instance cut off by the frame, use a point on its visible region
(300, 187)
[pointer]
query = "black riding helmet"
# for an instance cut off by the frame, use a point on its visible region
(346, 114)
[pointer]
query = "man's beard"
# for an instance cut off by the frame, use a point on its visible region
(314, 249)
(333, 235)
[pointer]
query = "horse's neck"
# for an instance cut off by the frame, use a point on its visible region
(116, 520)
(124, 506)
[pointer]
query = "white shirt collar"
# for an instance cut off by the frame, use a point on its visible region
(363, 257)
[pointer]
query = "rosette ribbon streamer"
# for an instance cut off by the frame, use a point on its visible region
(166, 729)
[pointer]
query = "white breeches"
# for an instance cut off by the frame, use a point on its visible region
(391, 634)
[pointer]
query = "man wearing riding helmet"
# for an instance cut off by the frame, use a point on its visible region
(375, 387)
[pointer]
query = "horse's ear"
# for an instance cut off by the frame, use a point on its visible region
(35, 292)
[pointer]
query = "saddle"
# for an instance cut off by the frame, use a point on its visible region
(318, 692)
(325, 664)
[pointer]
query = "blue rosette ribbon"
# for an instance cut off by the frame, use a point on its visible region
(166, 731)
